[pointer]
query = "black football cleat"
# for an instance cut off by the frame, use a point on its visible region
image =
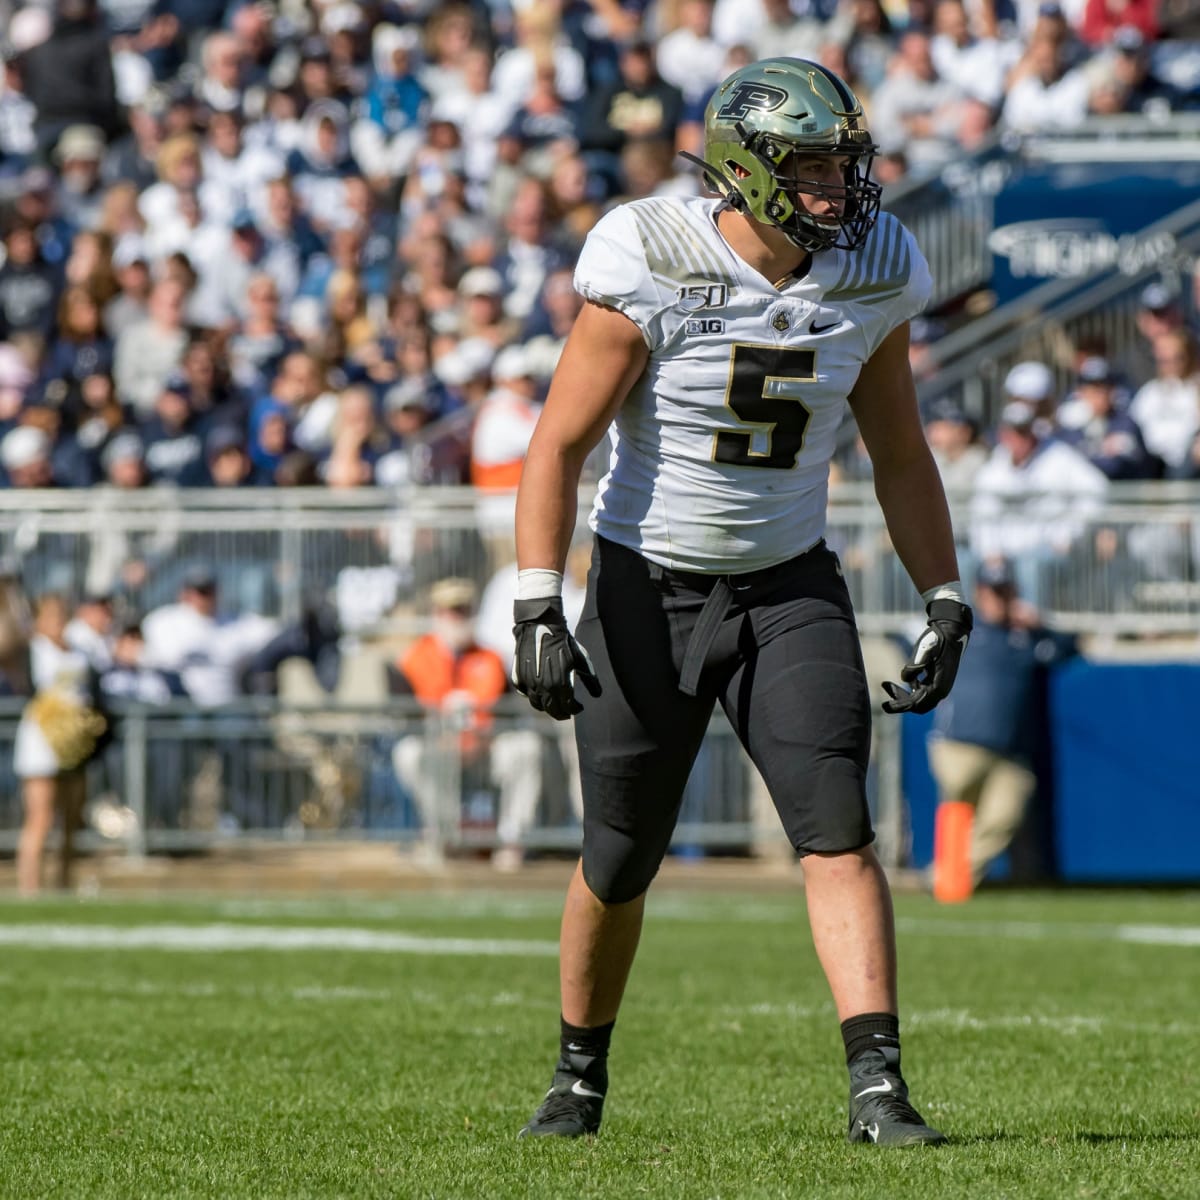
(571, 1109)
(880, 1113)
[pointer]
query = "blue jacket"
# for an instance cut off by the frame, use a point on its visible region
(995, 699)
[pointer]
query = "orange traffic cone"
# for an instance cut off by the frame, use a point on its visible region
(952, 882)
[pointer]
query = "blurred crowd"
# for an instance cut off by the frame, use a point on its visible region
(331, 244)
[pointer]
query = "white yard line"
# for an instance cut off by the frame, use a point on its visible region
(215, 938)
(1156, 935)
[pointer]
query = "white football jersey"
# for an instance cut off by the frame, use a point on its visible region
(720, 454)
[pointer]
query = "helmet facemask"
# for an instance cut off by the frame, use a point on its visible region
(854, 205)
(768, 118)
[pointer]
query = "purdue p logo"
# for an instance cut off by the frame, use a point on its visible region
(746, 96)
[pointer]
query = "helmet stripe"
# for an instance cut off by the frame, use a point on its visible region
(842, 90)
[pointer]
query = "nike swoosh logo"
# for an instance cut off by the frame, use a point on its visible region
(885, 1086)
(815, 328)
(579, 1090)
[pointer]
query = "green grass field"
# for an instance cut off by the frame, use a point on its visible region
(366, 1048)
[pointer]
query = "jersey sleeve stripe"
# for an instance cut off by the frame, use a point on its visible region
(673, 246)
(881, 269)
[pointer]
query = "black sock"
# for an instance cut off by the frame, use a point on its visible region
(871, 1031)
(584, 1052)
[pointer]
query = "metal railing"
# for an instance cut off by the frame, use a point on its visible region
(1133, 568)
(178, 778)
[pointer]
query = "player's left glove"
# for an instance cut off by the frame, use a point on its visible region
(931, 670)
(546, 658)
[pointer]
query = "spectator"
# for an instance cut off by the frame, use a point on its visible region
(357, 441)
(1130, 70)
(1094, 424)
(1167, 407)
(82, 348)
(690, 58)
(89, 631)
(868, 47)
(782, 31)
(1032, 382)
(131, 303)
(173, 437)
(459, 683)
(123, 461)
(954, 440)
(78, 153)
(480, 114)
(206, 650)
(985, 736)
(228, 462)
(976, 66)
(530, 250)
(25, 458)
(1104, 19)
(539, 38)
(128, 679)
(1044, 93)
(1160, 310)
(29, 285)
(639, 104)
(396, 103)
(1033, 501)
(913, 108)
(482, 306)
(69, 77)
(148, 351)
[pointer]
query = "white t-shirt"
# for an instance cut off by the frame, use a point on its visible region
(719, 457)
(1168, 412)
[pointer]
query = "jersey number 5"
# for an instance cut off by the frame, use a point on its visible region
(764, 390)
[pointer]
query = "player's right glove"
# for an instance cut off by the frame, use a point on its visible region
(546, 658)
(931, 670)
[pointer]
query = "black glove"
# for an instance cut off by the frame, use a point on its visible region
(934, 662)
(546, 656)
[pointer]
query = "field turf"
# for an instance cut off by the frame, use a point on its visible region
(392, 1048)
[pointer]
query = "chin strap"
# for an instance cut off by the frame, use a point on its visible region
(720, 181)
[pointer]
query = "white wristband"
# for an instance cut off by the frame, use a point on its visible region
(539, 583)
(945, 591)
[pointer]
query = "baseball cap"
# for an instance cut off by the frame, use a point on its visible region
(1156, 297)
(122, 448)
(468, 360)
(408, 393)
(1018, 414)
(481, 281)
(130, 249)
(948, 410)
(1095, 370)
(222, 438)
(1030, 381)
(199, 578)
(1128, 38)
(80, 141)
(243, 219)
(452, 593)
(23, 446)
(995, 573)
(176, 382)
(923, 330)
(512, 363)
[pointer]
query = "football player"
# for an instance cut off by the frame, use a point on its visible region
(720, 340)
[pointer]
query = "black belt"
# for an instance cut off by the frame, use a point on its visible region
(716, 606)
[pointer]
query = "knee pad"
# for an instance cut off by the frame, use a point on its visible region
(616, 869)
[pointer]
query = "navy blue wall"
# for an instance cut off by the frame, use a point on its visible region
(1119, 780)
